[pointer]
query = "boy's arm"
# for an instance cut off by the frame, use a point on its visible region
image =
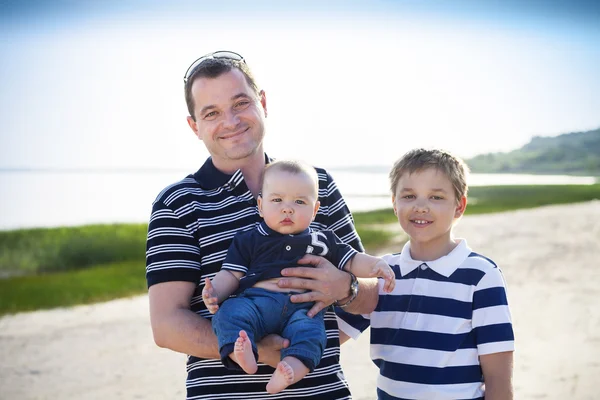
(497, 375)
(366, 266)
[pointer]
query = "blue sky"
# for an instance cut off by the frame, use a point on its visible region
(98, 83)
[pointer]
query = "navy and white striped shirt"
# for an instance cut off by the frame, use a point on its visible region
(427, 335)
(192, 225)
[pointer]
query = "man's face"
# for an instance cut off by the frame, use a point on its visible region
(288, 202)
(229, 118)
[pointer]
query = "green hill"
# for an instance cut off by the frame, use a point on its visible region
(575, 153)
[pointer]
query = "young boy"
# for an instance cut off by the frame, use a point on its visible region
(445, 332)
(288, 204)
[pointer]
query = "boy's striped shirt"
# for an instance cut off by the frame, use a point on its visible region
(427, 335)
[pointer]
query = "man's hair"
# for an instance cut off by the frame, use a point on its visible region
(294, 167)
(417, 160)
(213, 68)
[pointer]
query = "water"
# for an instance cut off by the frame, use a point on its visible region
(44, 199)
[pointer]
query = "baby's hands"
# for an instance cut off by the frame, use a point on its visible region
(210, 297)
(384, 271)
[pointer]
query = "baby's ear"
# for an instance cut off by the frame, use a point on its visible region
(461, 207)
(259, 203)
(317, 205)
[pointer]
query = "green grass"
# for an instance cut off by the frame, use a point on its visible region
(90, 285)
(46, 268)
(27, 251)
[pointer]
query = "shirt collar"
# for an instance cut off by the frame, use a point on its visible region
(445, 265)
(264, 230)
(209, 177)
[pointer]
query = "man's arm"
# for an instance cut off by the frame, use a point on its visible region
(327, 284)
(176, 327)
(497, 375)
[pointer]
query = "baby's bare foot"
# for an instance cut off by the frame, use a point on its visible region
(282, 378)
(243, 355)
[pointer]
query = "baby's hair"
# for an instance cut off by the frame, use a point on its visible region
(421, 159)
(293, 167)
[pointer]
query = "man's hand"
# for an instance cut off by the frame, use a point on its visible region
(269, 349)
(210, 297)
(325, 283)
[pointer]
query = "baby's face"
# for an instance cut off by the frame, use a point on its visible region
(289, 201)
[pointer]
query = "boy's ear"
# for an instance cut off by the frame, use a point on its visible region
(461, 207)
(317, 205)
(394, 205)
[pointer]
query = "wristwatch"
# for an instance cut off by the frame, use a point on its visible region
(353, 292)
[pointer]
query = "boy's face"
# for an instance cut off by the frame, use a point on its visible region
(427, 207)
(289, 201)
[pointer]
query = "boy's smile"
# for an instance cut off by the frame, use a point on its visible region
(426, 207)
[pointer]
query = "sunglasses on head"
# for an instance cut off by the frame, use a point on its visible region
(228, 55)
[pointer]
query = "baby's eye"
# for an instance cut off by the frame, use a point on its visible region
(300, 202)
(276, 200)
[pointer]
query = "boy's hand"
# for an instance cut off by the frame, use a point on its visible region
(210, 297)
(384, 271)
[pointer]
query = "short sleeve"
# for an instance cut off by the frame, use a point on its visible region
(339, 252)
(238, 255)
(172, 252)
(492, 322)
(337, 215)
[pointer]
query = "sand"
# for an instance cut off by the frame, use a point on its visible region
(549, 256)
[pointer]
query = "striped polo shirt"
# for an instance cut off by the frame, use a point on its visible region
(427, 335)
(192, 225)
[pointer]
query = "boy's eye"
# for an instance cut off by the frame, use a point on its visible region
(409, 196)
(437, 198)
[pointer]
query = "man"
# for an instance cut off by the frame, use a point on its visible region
(194, 221)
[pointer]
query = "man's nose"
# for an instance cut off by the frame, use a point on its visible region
(231, 120)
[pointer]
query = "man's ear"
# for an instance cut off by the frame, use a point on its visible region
(263, 101)
(317, 205)
(461, 207)
(194, 126)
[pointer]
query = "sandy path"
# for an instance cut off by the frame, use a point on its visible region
(550, 258)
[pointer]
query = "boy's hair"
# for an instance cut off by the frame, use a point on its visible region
(294, 167)
(421, 159)
(213, 68)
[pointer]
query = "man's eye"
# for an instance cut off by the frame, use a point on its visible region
(210, 115)
(242, 104)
